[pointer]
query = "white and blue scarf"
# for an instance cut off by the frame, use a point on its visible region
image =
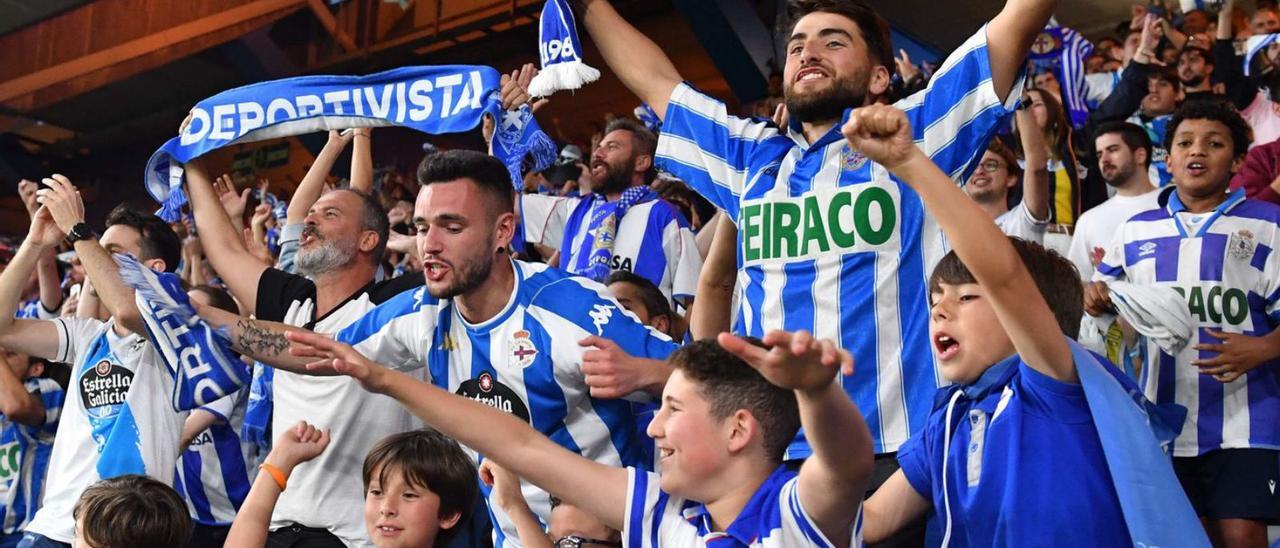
(1255, 45)
(602, 231)
(560, 52)
(204, 367)
(430, 99)
(1062, 51)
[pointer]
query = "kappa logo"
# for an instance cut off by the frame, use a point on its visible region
(600, 315)
(1147, 249)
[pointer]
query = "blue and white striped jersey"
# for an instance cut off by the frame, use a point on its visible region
(525, 360)
(34, 309)
(1225, 263)
(117, 418)
(24, 457)
(829, 241)
(653, 240)
(773, 518)
(212, 474)
(1158, 172)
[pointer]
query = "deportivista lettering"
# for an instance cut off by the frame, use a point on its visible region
(1216, 304)
(415, 101)
(851, 219)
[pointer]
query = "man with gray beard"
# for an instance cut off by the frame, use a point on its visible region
(339, 252)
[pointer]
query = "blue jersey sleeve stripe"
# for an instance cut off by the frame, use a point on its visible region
(968, 142)
(1108, 271)
(636, 503)
(806, 524)
(689, 151)
(375, 320)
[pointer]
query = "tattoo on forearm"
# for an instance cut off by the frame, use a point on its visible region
(258, 341)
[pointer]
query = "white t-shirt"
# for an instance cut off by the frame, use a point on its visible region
(328, 491)
(1019, 223)
(1097, 227)
(117, 419)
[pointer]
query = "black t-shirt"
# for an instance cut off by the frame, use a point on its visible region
(290, 298)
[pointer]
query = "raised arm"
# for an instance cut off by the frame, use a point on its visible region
(47, 267)
(294, 446)
(712, 311)
(499, 436)
(63, 201)
(1009, 38)
(833, 480)
(261, 340)
(884, 135)
(34, 337)
(362, 160)
(1035, 179)
(223, 244)
(312, 185)
(633, 57)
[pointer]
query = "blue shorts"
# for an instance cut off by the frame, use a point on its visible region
(1233, 484)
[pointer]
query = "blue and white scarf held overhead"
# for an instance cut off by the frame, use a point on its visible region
(1062, 51)
(430, 99)
(560, 52)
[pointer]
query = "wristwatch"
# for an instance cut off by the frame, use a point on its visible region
(82, 231)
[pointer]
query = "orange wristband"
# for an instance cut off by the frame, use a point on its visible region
(275, 474)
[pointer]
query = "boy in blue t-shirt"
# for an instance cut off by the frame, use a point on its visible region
(720, 435)
(1011, 454)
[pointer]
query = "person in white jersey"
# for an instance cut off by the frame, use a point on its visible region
(623, 225)
(341, 246)
(553, 349)
(1124, 154)
(117, 418)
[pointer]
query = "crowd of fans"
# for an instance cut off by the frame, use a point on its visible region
(703, 329)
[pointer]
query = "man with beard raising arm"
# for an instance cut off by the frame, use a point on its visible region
(342, 243)
(507, 333)
(622, 225)
(828, 241)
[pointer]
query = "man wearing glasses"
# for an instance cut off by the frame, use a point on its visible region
(989, 186)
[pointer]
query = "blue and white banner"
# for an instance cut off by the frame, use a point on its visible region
(1062, 51)
(204, 367)
(430, 99)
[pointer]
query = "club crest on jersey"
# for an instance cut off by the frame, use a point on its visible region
(852, 160)
(604, 234)
(522, 350)
(1240, 245)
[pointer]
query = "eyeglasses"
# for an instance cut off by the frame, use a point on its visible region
(991, 166)
(574, 541)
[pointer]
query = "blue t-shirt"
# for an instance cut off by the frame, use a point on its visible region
(1023, 463)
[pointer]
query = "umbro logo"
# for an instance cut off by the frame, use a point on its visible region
(1147, 249)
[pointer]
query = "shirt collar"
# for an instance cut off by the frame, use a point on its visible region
(796, 132)
(745, 528)
(1176, 206)
(994, 378)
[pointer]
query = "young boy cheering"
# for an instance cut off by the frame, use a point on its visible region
(1012, 455)
(720, 434)
(1217, 249)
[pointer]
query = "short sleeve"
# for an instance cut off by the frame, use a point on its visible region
(277, 290)
(74, 337)
(707, 148)
(544, 218)
(1079, 251)
(957, 114)
(916, 464)
(224, 407)
(644, 497)
(1112, 266)
(396, 333)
